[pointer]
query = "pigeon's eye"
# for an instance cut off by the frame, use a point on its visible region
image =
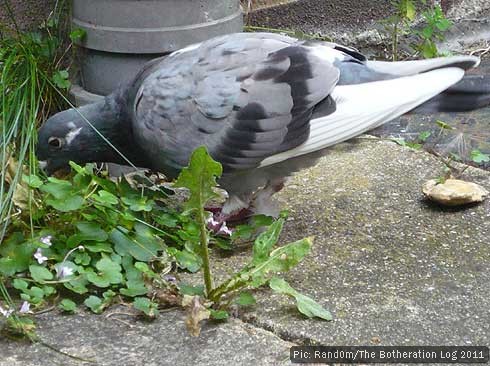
(55, 142)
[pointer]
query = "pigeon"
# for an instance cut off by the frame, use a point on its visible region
(264, 105)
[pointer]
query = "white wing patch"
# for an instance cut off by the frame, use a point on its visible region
(362, 107)
(406, 68)
(70, 136)
(185, 49)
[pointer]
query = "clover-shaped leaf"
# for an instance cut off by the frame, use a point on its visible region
(109, 272)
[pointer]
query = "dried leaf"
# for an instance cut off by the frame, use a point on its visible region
(196, 312)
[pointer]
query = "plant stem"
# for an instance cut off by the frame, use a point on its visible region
(394, 50)
(205, 252)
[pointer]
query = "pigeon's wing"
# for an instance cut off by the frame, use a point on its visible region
(245, 96)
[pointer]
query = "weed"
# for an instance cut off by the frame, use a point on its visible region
(403, 24)
(96, 241)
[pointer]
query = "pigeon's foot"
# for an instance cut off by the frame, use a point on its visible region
(236, 217)
(238, 210)
(215, 210)
(262, 202)
(234, 211)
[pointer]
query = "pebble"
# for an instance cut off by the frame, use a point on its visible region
(454, 192)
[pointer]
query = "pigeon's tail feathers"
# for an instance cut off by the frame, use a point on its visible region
(362, 107)
(472, 92)
(407, 68)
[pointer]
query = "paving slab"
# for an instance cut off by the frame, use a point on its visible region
(108, 342)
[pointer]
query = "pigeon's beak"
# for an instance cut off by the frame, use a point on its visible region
(51, 167)
(47, 167)
(43, 164)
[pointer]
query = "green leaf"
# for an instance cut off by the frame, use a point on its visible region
(91, 231)
(77, 284)
(478, 157)
(109, 272)
(143, 246)
(443, 24)
(190, 290)
(186, 259)
(36, 294)
(130, 271)
(87, 231)
(94, 303)
(66, 204)
(200, 178)
(17, 253)
(20, 284)
(99, 247)
(87, 170)
(219, 314)
(424, 135)
(142, 267)
(444, 125)
(106, 198)
(49, 290)
(305, 304)
(32, 180)
(40, 273)
(146, 306)
(167, 219)
(8, 267)
(67, 305)
(139, 203)
(400, 141)
(265, 241)
(429, 49)
(280, 260)
(108, 296)
(134, 288)
(246, 299)
(77, 35)
(414, 146)
(427, 32)
(407, 9)
(60, 79)
(82, 258)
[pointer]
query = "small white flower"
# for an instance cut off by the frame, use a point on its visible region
(63, 271)
(39, 256)
(25, 308)
(225, 230)
(46, 240)
(5, 313)
(211, 221)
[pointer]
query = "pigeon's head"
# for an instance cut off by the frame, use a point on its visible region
(67, 136)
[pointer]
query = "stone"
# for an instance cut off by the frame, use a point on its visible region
(454, 192)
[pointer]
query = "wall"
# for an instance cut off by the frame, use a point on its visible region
(27, 13)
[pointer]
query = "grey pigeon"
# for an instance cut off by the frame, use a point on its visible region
(264, 105)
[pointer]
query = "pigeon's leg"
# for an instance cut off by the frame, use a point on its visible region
(262, 203)
(235, 204)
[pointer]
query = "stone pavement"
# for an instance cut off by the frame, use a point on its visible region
(392, 268)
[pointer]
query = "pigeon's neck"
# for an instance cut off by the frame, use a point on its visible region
(113, 123)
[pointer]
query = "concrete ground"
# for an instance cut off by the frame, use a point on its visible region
(392, 268)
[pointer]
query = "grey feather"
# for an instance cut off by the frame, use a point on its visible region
(245, 97)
